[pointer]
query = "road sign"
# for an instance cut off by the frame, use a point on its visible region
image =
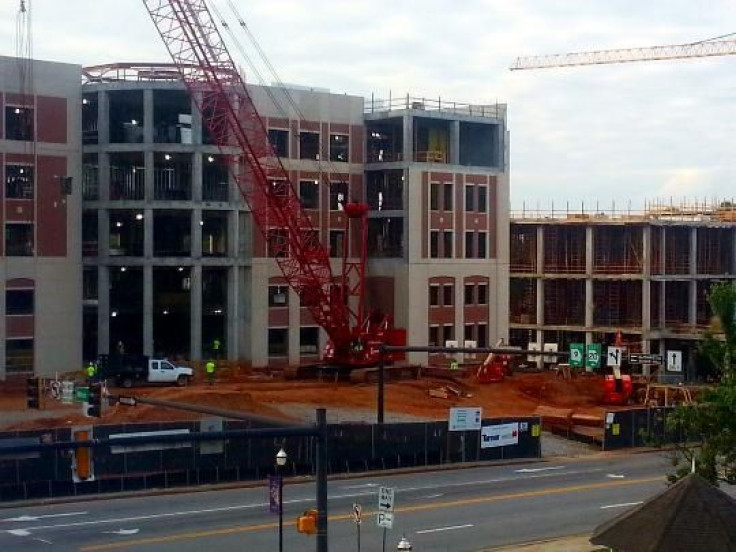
(386, 520)
(593, 356)
(386, 499)
(614, 356)
(577, 352)
(81, 394)
(357, 513)
(465, 419)
(674, 361)
(645, 358)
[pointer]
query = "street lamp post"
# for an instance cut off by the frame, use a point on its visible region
(280, 463)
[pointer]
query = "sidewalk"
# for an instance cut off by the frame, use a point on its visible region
(567, 544)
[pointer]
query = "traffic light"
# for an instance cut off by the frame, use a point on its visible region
(94, 401)
(34, 393)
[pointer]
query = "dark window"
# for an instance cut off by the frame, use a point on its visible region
(482, 206)
(481, 245)
(469, 332)
(339, 148)
(338, 195)
(19, 355)
(309, 340)
(279, 142)
(482, 294)
(469, 294)
(18, 182)
(19, 123)
(19, 240)
(434, 244)
(448, 190)
(482, 335)
(309, 194)
(308, 145)
(337, 239)
(447, 244)
(434, 295)
(448, 291)
(470, 198)
(434, 335)
(278, 341)
(469, 253)
(19, 301)
(449, 334)
(278, 243)
(278, 296)
(434, 197)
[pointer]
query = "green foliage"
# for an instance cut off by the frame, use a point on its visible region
(719, 343)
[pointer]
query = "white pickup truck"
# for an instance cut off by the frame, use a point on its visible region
(127, 370)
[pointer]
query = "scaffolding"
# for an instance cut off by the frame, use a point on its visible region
(617, 303)
(523, 301)
(523, 250)
(677, 306)
(617, 249)
(564, 302)
(564, 249)
(715, 250)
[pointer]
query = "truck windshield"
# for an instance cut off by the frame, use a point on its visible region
(166, 365)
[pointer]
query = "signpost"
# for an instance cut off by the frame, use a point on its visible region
(577, 355)
(645, 358)
(358, 517)
(385, 510)
(593, 357)
(614, 356)
(465, 419)
(674, 361)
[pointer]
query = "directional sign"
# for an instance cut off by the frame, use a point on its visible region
(81, 394)
(465, 419)
(614, 356)
(645, 358)
(386, 520)
(357, 513)
(386, 499)
(593, 356)
(674, 361)
(577, 354)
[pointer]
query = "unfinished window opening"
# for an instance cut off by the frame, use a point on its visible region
(479, 144)
(172, 233)
(215, 130)
(386, 237)
(338, 195)
(214, 233)
(172, 311)
(564, 249)
(617, 303)
(126, 233)
(89, 283)
(126, 116)
(448, 295)
(215, 178)
(618, 249)
(126, 308)
(19, 123)
(309, 194)
(434, 244)
(564, 302)
(339, 148)
(279, 140)
(385, 141)
(523, 250)
(677, 306)
(448, 239)
(308, 145)
(278, 295)
(469, 294)
(448, 191)
(448, 334)
(19, 240)
(19, 182)
(385, 190)
(434, 196)
(172, 176)
(676, 250)
(278, 243)
(655, 316)
(523, 301)
(90, 223)
(434, 295)
(431, 140)
(90, 121)
(309, 340)
(214, 311)
(19, 302)
(127, 176)
(337, 242)
(715, 247)
(19, 356)
(434, 336)
(704, 314)
(90, 177)
(172, 117)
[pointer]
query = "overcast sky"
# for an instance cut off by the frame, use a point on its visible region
(622, 133)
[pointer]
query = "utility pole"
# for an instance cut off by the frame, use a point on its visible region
(321, 480)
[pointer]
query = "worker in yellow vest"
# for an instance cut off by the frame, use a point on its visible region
(210, 369)
(91, 371)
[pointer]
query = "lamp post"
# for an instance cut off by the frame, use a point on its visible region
(280, 463)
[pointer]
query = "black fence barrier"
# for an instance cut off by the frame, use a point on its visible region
(639, 427)
(351, 448)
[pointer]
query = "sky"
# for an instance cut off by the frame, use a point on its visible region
(598, 137)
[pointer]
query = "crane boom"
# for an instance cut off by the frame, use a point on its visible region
(217, 89)
(628, 55)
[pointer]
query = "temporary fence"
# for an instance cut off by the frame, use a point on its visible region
(639, 427)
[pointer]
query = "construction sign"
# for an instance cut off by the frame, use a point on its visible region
(577, 355)
(593, 357)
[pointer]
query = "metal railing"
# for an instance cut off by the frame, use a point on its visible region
(127, 183)
(376, 105)
(90, 182)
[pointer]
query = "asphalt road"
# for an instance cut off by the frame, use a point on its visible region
(451, 510)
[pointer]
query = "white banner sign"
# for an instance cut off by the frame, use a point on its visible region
(499, 435)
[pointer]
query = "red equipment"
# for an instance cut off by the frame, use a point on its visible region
(494, 369)
(216, 87)
(617, 391)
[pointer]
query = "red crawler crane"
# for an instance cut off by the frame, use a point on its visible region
(217, 89)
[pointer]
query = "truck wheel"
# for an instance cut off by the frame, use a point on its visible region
(182, 381)
(127, 383)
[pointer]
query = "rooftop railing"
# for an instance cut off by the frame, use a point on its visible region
(376, 105)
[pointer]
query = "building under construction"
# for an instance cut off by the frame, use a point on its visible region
(584, 277)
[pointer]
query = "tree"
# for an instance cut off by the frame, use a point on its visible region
(709, 427)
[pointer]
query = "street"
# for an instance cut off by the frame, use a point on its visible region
(449, 510)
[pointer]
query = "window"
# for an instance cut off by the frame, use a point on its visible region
(19, 355)
(469, 252)
(338, 195)
(18, 182)
(448, 190)
(434, 197)
(278, 341)
(19, 240)
(309, 340)
(278, 296)
(470, 198)
(434, 244)
(469, 334)
(448, 290)
(309, 194)
(434, 295)
(279, 140)
(448, 333)
(447, 244)
(339, 148)
(18, 301)
(19, 123)
(434, 336)
(482, 294)
(482, 238)
(308, 145)
(470, 294)
(482, 335)
(337, 239)
(482, 206)
(278, 243)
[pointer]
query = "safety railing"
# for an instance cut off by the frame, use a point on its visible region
(375, 105)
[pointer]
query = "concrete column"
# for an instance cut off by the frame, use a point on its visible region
(196, 229)
(589, 305)
(540, 250)
(195, 313)
(408, 143)
(148, 233)
(103, 235)
(148, 344)
(455, 144)
(693, 251)
(103, 118)
(294, 328)
(103, 309)
(196, 123)
(148, 116)
(540, 318)
(149, 181)
(589, 251)
(692, 314)
(662, 304)
(103, 173)
(196, 178)
(233, 322)
(233, 236)
(662, 351)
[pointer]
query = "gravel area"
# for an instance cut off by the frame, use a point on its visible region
(554, 445)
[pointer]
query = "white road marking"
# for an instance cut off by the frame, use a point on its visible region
(44, 541)
(615, 476)
(36, 518)
(19, 532)
(533, 470)
(439, 529)
(433, 495)
(122, 532)
(625, 505)
(363, 486)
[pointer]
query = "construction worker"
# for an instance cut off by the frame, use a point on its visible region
(216, 348)
(453, 364)
(91, 371)
(210, 369)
